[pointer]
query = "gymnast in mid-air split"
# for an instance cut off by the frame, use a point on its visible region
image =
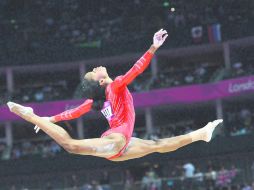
(115, 102)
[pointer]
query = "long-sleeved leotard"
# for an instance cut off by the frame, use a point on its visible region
(119, 108)
(136, 70)
(120, 81)
(123, 113)
(75, 112)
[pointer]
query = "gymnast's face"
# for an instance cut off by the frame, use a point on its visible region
(97, 74)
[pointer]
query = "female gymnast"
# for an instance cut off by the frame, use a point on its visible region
(117, 143)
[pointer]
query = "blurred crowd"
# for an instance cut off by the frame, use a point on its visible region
(168, 76)
(237, 121)
(180, 175)
(205, 175)
(42, 149)
(178, 75)
(240, 69)
(170, 129)
(57, 30)
(42, 93)
(240, 121)
(189, 176)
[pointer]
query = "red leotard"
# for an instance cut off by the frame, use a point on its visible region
(121, 102)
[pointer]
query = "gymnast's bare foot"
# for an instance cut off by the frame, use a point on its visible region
(22, 111)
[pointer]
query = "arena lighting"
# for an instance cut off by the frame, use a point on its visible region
(166, 4)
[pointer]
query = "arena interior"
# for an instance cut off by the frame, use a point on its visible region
(204, 71)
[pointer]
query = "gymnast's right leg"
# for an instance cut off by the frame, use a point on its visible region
(138, 147)
(101, 147)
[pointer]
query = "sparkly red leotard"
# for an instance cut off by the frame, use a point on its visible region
(118, 108)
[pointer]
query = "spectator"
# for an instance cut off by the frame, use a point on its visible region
(189, 79)
(150, 181)
(223, 178)
(198, 179)
(237, 69)
(233, 173)
(189, 170)
(54, 148)
(16, 153)
(86, 187)
(247, 187)
(171, 182)
(74, 181)
(96, 186)
(39, 96)
(145, 183)
(211, 178)
(128, 180)
(105, 181)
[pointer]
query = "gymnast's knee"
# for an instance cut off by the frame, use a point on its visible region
(70, 147)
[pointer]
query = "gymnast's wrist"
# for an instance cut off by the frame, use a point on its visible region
(52, 119)
(152, 49)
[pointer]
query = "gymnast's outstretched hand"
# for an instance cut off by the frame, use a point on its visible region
(159, 38)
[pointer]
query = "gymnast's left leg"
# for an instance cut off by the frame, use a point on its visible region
(101, 147)
(138, 147)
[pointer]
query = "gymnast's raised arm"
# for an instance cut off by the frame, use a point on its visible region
(143, 62)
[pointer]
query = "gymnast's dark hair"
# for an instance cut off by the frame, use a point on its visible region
(92, 90)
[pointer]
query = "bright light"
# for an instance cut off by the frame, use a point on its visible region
(166, 4)
(172, 9)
